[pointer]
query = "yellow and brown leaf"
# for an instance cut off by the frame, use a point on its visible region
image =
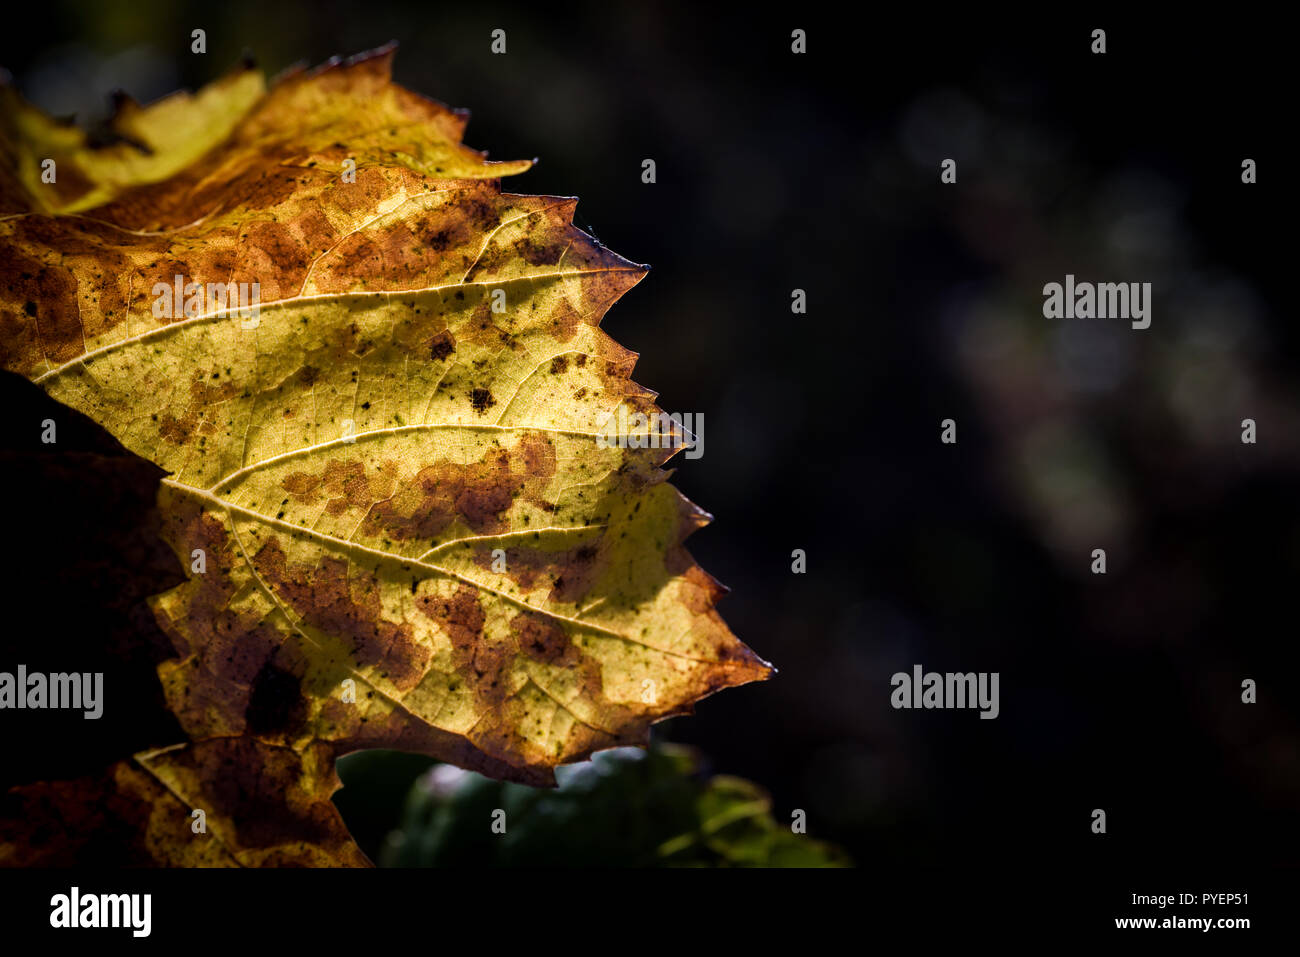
(354, 464)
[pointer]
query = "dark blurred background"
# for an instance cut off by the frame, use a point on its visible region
(821, 172)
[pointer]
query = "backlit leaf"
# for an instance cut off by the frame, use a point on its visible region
(417, 400)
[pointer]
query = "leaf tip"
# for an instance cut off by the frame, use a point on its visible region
(380, 53)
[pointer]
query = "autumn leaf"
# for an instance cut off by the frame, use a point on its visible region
(385, 478)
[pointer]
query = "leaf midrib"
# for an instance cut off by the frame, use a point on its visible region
(331, 296)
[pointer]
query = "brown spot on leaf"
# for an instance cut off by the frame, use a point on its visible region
(542, 638)
(461, 616)
(565, 321)
(301, 486)
(546, 255)
(275, 701)
(342, 601)
(442, 345)
(483, 662)
(570, 572)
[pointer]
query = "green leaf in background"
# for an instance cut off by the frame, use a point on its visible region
(624, 808)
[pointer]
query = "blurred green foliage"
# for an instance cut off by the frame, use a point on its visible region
(624, 808)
